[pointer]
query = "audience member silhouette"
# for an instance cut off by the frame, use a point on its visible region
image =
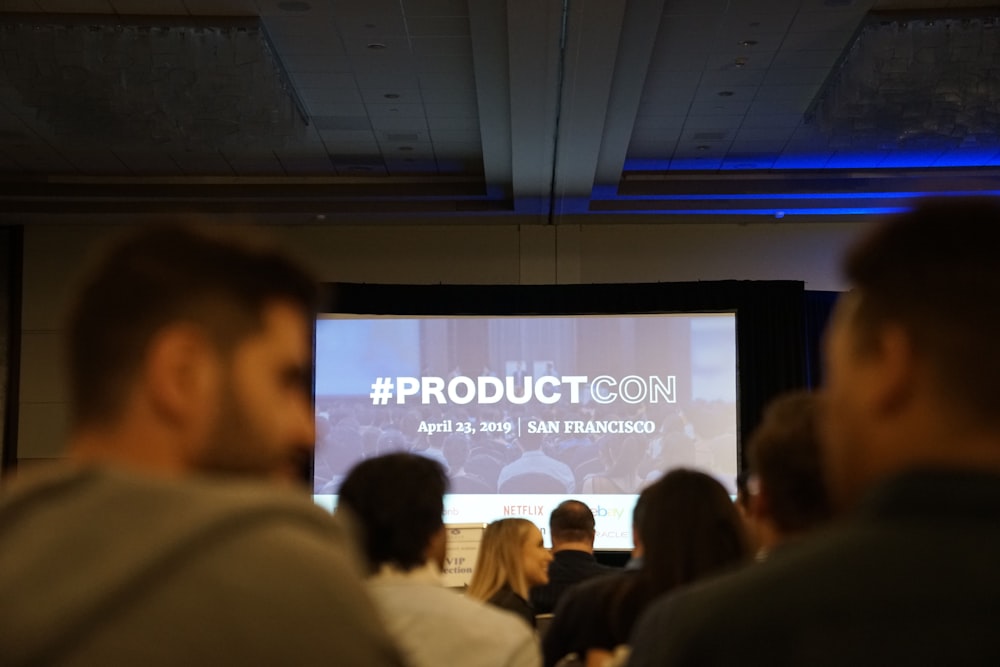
(512, 558)
(398, 500)
(687, 529)
(171, 533)
(787, 495)
(572, 529)
(535, 471)
(911, 452)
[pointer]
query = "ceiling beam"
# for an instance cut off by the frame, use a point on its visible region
(593, 29)
(534, 33)
(487, 25)
(635, 50)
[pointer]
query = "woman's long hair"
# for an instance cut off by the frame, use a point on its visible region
(501, 561)
(689, 529)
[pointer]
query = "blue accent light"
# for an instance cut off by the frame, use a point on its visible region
(973, 156)
(965, 158)
(801, 161)
(855, 161)
(695, 164)
(798, 195)
(909, 160)
(775, 213)
(646, 164)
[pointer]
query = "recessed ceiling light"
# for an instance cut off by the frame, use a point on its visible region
(726, 93)
(740, 63)
(406, 148)
(391, 96)
(377, 46)
(292, 6)
(701, 147)
(748, 42)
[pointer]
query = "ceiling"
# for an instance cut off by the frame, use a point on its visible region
(545, 111)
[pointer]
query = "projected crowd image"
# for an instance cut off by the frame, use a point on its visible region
(522, 412)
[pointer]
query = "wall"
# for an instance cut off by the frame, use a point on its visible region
(55, 256)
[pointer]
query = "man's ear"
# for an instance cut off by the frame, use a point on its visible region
(182, 375)
(437, 547)
(893, 371)
(758, 505)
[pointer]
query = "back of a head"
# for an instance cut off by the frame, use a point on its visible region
(785, 457)
(571, 521)
(499, 562)
(689, 528)
(933, 271)
(399, 501)
(158, 277)
(456, 450)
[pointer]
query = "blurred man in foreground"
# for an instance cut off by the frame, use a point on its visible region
(912, 450)
(157, 541)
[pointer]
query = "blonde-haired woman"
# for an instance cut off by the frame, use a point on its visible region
(512, 559)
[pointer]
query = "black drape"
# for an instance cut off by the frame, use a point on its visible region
(818, 306)
(770, 318)
(11, 245)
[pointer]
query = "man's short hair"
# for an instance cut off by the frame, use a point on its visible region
(572, 521)
(784, 455)
(162, 276)
(399, 501)
(934, 272)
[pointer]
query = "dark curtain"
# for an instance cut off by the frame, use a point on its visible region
(772, 352)
(818, 306)
(11, 244)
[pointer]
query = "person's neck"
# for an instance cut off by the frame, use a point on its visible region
(119, 446)
(573, 546)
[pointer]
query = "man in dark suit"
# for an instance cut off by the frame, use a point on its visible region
(572, 527)
(911, 452)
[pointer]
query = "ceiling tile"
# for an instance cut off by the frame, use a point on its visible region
(720, 107)
(452, 111)
(323, 79)
(456, 136)
(806, 58)
(466, 123)
(391, 124)
(726, 78)
(435, 7)
(438, 26)
(777, 76)
(390, 110)
(844, 21)
(399, 95)
(347, 136)
(306, 164)
(315, 98)
(442, 46)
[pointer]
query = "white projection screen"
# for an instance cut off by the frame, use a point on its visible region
(527, 411)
